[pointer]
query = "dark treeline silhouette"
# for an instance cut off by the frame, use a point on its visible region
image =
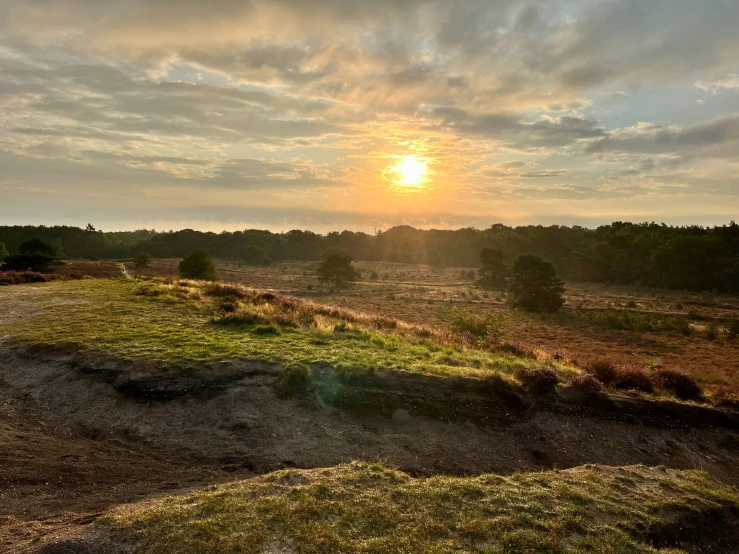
(650, 254)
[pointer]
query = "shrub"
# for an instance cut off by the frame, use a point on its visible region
(224, 290)
(198, 265)
(534, 285)
(603, 370)
(587, 384)
(680, 384)
(142, 260)
(373, 276)
(294, 379)
(336, 267)
(541, 379)
(513, 349)
(33, 255)
(632, 378)
(23, 277)
(3, 252)
(485, 327)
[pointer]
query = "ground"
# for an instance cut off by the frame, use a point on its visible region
(116, 393)
(425, 295)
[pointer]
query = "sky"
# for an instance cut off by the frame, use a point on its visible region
(364, 114)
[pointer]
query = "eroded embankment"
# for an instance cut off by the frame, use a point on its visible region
(153, 428)
(229, 413)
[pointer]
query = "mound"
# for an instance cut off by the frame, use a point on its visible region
(363, 507)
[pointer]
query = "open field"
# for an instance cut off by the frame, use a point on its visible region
(125, 401)
(684, 330)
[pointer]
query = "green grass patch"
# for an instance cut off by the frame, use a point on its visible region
(371, 508)
(183, 322)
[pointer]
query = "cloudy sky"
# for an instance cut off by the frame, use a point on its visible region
(361, 114)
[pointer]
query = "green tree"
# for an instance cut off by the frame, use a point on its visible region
(198, 265)
(534, 285)
(253, 255)
(3, 252)
(494, 271)
(142, 260)
(34, 255)
(336, 267)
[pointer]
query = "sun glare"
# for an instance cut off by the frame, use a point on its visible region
(412, 171)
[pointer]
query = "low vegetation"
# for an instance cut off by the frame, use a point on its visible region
(373, 508)
(23, 277)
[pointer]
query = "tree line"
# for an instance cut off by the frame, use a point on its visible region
(648, 254)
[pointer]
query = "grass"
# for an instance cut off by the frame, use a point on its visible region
(371, 508)
(182, 322)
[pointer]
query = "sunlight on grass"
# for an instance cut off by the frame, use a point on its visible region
(179, 323)
(372, 508)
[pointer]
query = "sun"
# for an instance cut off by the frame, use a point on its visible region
(412, 171)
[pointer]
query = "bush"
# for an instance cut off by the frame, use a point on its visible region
(198, 265)
(680, 384)
(23, 277)
(373, 276)
(485, 327)
(142, 260)
(632, 378)
(336, 267)
(603, 370)
(33, 255)
(541, 380)
(513, 349)
(587, 384)
(534, 285)
(293, 380)
(3, 252)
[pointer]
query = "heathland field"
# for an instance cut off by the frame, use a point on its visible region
(410, 412)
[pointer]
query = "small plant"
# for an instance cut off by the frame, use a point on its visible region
(294, 379)
(373, 276)
(678, 306)
(485, 327)
(540, 380)
(632, 379)
(587, 384)
(683, 386)
(712, 331)
(603, 370)
(309, 287)
(631, 305)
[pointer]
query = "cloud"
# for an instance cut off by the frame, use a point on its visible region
(318, 95)
(728, 83)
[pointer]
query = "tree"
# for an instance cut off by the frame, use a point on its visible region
(198, 265)
(3, 252)
(336, 267)
(90, 228)
(253, 255)
(142, 260)
(535, 286)
(34, 255)
(494, 271)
